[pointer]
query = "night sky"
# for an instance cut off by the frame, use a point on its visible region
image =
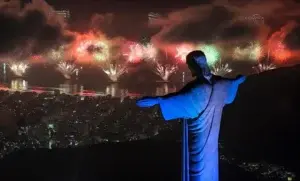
(124, 6)
(124, 11)
(188, 21)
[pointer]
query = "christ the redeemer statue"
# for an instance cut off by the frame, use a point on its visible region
(200, 104)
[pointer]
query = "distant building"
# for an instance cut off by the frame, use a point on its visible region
(63, 13)
(152, 17)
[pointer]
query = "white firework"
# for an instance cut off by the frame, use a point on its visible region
(149, 52)
(19, 68)
(221, 69)
(136, 52)
(256, 51)
(115, 71)
(182, 52)
(253, 51)
(262, 67)
(165, 71)
(56, 54)
(67, 69)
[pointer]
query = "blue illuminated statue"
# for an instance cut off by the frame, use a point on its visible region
(199, 104)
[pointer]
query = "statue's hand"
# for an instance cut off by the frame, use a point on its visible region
(147, 101)
(240, 79)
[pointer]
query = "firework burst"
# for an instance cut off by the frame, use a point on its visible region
(99, 50)
(262, 67)
(66, 68)
(182, 52)
(149, 52)
(56, 54)
(252, 52)
(114, 71)
(165, 71)
(255, 51)
(238, 53)
(19, 68)
(280, 52)
(212, 54)
(221, 69)
(135, 54)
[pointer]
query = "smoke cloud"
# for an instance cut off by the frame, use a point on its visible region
(293, 38)
(31, 30)
(101, 21)
(227, 21)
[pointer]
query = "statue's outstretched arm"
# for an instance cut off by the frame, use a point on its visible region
(233, 88)
(238, 79)
(186, 103)
(151, 101)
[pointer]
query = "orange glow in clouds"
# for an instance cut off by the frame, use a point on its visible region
(79, 47)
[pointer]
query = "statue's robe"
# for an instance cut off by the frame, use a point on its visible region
(201, 103)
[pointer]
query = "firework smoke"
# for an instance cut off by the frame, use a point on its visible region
(221, 69)
(292, 39)
(103, 22)
(165, 71)
(114, 71)
(19, 68)
(262, 67)
(36, 27)
(223, 21)
(67, 69)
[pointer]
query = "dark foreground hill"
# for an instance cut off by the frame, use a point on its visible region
(261, 125)
(140, 160)
(264, 121)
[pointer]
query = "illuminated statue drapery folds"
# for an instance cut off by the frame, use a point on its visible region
(200, 103)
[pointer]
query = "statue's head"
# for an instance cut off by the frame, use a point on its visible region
(197, 63)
